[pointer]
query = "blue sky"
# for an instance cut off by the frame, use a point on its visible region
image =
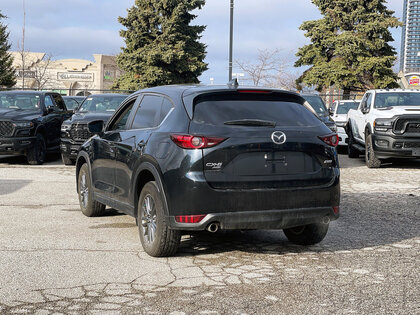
(80, 28)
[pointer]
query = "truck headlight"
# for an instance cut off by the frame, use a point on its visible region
(382, 124)
(23, 124)
(65, 128)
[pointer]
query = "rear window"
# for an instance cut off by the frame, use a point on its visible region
(284, 110)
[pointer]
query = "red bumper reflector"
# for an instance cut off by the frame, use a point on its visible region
(336, 209)
(189, 218)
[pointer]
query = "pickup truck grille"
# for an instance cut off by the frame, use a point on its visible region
(6, 128)
(407, 125)
(80, 132)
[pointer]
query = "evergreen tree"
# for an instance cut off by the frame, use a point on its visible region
(349, 46)
(7, 72)
(161, 45)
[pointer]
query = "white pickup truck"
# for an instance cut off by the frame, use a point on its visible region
(386, 125)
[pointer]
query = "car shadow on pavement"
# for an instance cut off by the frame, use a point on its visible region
(8, 186)
(54, 158)
(367, 220)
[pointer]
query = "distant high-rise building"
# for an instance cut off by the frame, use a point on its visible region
(410, 43)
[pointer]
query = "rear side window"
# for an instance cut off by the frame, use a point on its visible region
(148, 114)
(152, 111)
(284, 110)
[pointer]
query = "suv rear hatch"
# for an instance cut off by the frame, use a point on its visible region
(272, 141)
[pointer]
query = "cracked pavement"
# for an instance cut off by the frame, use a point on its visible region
(54, 260)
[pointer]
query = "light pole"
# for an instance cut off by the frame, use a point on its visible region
(231, 41)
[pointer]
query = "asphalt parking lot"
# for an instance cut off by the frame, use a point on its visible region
(55, 260)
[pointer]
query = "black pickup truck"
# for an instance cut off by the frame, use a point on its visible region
(30, 123)
(74, 132)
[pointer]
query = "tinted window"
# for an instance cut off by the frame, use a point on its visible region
(48, 101)
(344, 107)
(316, 103)
(22, 101)
(121, 122)
(397, 99)
(71, 103)
(369, 101)
(102, 103)
(283, 110)
(149, 113)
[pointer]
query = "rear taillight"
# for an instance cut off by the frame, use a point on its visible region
(189, 218)
(331, 140)
(196, 142)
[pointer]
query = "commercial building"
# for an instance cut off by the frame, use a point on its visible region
(410, 45)
(67, 76)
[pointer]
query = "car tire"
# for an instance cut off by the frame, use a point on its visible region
(36, 155)
(66, 160)
(371, 160)
(307, 234)
(351, 151)
(157, 238)
(89, 206)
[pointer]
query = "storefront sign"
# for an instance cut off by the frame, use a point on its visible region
(75, 76)
(26, 73)
(414, 80)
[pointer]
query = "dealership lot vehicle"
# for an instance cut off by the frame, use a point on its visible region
(318, 105)
(339, 111)
(30, 123)
(386, 125)
(73, 102)
(74, 131)
(191, 158)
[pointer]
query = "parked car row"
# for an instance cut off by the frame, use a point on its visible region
(31, 122)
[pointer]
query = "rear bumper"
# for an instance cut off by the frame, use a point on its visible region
(386, 146)
(268, 219)
(16, 146)
(249, 208)
(70, 148)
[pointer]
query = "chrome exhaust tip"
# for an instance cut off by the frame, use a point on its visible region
(213, 227)
(326, 220)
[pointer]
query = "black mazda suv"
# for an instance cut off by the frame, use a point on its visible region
(195, 158)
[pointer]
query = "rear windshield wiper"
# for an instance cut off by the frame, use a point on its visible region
(251, 122)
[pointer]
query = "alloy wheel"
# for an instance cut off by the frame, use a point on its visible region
(148, 219)
(84, 191)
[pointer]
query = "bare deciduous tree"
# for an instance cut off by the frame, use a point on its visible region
(41, 71)
(269, 70)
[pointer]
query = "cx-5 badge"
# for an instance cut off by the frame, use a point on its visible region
(278, 137)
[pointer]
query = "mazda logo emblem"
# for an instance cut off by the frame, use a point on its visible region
(278, 137)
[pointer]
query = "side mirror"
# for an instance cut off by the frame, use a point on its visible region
(331, 111)
(96, 127)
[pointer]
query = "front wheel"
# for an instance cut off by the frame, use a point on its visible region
(157, 238)
(307, 234)
(370, 157)
(89, 206)
(36, 155)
